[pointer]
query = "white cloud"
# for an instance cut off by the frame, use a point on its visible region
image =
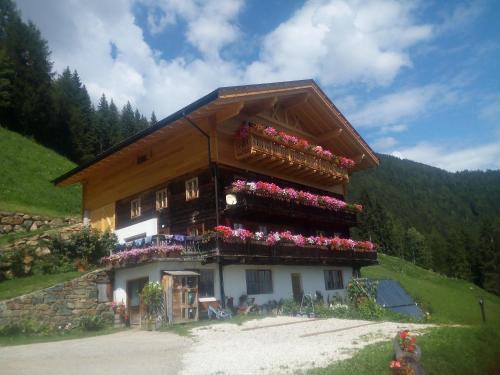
(452, 158)
(336, 42)
(394, 128)
(383, 143)
(399, 106)
(341, 42)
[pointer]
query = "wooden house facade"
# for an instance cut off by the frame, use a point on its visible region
(169, 186)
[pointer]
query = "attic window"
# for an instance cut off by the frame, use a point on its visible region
(135, 208)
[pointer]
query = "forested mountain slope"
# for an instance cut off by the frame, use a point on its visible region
(446, 221)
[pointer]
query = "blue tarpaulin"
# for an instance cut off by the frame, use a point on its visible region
(392, 296)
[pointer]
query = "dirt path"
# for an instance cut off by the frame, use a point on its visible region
(279, 345)
(129, 352)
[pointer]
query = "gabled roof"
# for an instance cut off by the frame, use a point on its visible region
(305, 90)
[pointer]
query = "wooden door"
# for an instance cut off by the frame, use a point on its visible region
(135, 303)
(297, 287)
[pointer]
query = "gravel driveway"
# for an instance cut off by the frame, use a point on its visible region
(266, 346)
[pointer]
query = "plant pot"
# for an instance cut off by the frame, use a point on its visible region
(403, 355)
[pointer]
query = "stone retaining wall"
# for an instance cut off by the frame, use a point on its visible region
(62, 303)
(20, 222)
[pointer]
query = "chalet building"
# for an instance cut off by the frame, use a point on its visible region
(239, 193)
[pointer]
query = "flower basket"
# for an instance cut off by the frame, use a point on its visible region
(400, 368)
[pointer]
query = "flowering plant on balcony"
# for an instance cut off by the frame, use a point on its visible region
(273, 238)
(294, 142)
(272, 190)
(134, 256)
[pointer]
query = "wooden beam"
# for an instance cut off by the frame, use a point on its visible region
(295, 101)
(359, 158)
(229, 111)
(256, 107)
(330, 135)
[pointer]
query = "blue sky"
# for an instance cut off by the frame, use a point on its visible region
(419, 80)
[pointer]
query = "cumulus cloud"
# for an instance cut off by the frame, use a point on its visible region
(384, 143)
(453, 158)
(341, 42)
(336, 42)
(400, 106)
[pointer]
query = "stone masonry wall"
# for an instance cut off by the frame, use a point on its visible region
(20, 222)
(60, 304)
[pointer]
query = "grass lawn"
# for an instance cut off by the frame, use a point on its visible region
(448, 300)
(23, 285)
(27, 169)
(74, 334)
(473, 348)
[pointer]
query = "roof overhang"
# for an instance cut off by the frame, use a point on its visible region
(304, 98)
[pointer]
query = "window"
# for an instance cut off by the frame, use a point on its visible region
(237, 226)
(161, 199)
(196, 230)
(259, 281)
(135, 208)
(263, 229)
(192, 191)
(206, 284)
(333, 280)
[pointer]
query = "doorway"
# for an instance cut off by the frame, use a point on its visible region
(297, 290)
(135, 303)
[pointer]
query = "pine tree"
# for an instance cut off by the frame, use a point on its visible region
(115, 131)
(153, 119)
(23, 47)
(127, 121)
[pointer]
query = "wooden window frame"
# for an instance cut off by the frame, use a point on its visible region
(132, 216)
(162, 193)
(192, 189)
(330, 282)
(259, 289)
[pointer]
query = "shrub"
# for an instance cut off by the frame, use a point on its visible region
(151, 293)
(29, 327)
(87, 246)
(91, 323)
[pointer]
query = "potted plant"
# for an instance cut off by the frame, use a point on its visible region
(405, 347)
(151, 295)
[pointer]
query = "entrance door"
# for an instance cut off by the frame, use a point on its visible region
(297, 287)
(134, 299)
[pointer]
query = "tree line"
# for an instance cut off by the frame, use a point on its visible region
(54, 109)
(447, 222)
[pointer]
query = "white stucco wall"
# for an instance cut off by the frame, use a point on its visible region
(235, 279)
(150, 227)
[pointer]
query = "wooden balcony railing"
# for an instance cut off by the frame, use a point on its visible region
(258, 149)
(251, 252)
(247, 204)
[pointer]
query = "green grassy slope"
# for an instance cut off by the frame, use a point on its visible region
(471, 348)
(447, 300)
(26, 169)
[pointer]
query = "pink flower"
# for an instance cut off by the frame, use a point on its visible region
(239, 185)
(270, 131)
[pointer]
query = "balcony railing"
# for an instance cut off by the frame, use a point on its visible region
(232, 252)
(252, 203)
(257, 148)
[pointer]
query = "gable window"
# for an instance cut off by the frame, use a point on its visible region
(259, 281)
(333, 279)
(135, 208)
(161, 199)
(192, 190)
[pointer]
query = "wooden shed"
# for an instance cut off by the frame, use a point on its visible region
(181, 295)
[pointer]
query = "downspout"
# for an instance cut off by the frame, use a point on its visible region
(214, 169)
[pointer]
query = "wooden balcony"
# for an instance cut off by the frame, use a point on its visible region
(249, 205)
(266, 152)
(255, 252)
(210, 250)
